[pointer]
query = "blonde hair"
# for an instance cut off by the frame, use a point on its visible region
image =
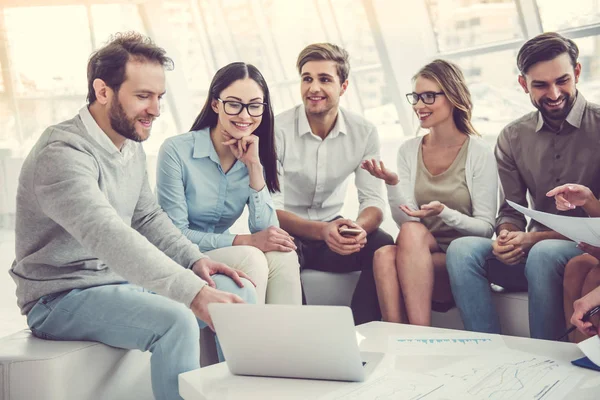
(326, 52)
(452, 82)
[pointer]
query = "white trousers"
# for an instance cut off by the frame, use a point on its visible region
(276, 274)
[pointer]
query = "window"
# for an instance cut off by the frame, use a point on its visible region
(557, 15)
(497, 97)
(476, 22)
(47, 95)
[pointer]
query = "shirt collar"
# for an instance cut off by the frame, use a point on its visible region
(573, 118)
(204, 148)
(304, 126)
(92, 127)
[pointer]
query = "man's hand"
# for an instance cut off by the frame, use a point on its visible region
(340, 244)
(205, 267)
(427, 210)
(273, 239)
(522, 240)
(378, 170)
(583, 305)
(509, 254)
(208, 295)
(571, 195)
(591, 250)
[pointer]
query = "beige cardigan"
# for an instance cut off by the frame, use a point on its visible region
(482, 182)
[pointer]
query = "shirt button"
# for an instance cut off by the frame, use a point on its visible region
(557, 156)
(557, 180)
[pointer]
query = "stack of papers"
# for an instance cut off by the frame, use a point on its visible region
(493, 372)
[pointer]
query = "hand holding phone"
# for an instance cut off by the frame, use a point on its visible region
(344, 231)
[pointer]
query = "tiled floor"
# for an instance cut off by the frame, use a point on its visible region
(11, 319)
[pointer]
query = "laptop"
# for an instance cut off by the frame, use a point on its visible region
(312, 342)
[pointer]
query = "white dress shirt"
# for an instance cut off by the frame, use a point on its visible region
(92, 127)
(314, 172)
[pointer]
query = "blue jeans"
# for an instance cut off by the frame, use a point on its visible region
(471, 266)
(129, 317)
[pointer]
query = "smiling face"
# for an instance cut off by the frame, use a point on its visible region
(321, 88)
(136, 104)
(551, 86)
(245, 91)
(434, 114)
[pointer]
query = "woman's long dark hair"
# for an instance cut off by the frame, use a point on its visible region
(265, 131)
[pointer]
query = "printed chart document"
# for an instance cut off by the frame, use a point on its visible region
(586, 230)
(444, 344)
(508, 375)
(393, 385)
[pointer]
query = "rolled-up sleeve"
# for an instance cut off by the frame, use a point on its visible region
(369, 188)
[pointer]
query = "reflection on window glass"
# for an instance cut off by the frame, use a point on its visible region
(109, 19)
(589, 57)
(497, 97)
(50, 79)
(375, 97)
(351, 21)
(63, 48)
(294, 25)
(556, 15)
(461, 24)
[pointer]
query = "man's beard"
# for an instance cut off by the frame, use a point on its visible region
(121, 123)
(556, 115)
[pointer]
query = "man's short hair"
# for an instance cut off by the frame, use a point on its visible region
(326, 52)
(108, 63)
(545, 47)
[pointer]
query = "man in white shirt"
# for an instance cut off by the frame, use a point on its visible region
(319, 145)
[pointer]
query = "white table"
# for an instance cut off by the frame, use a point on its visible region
(216, 382)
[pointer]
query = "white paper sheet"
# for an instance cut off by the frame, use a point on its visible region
(444, 344)
(509, 375)
(393, 385)
(586, 230)
(591, 349)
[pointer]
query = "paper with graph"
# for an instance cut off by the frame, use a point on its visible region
(586, 230)
(508, 375)
(444, 344)
(393, 385)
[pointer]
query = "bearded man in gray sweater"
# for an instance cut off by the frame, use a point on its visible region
(96, 257)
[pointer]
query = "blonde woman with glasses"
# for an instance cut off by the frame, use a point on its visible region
(445, 188)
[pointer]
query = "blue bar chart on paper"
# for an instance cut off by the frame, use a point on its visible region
(459, 344)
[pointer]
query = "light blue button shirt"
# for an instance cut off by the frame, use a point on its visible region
(200, 198)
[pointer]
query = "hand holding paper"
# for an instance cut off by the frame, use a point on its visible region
(580, 230)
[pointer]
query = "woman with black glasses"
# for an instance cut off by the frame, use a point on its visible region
(445, 188)
(227, 161)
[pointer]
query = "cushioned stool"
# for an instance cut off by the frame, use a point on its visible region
(32, 368)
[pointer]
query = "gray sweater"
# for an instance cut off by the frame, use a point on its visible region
(87, 217)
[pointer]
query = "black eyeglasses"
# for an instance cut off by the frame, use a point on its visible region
(235, 107)
(426, 97)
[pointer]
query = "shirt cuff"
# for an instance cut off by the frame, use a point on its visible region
(447, 213)
(225, 240)
(187, 289)
(261, 197)
(509, 220)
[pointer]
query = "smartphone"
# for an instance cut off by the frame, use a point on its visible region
(350, 231)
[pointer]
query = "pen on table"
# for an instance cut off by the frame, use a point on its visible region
(585, 318)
